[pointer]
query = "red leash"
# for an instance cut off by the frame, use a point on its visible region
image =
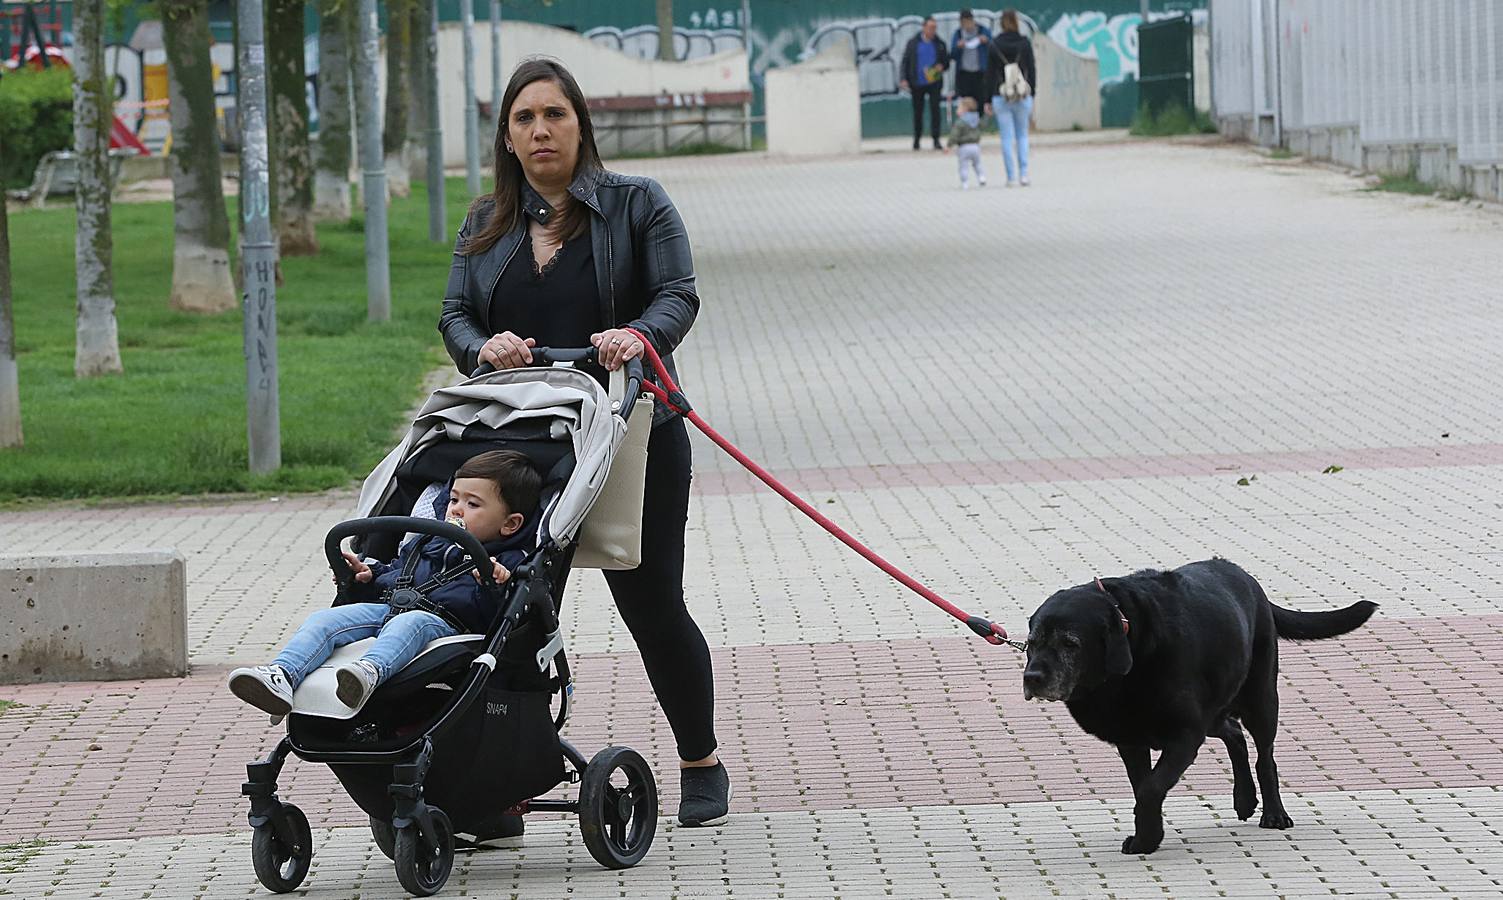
(676, 401)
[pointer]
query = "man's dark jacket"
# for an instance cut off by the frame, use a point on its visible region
(643, 267)
(909, 68)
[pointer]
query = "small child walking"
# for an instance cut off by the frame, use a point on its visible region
(491, 497)
(965, 137)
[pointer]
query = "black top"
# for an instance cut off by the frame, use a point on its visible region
(558, 305)
(1010, 47)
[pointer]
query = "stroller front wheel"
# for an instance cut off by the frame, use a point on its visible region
(618, 807)
(421, 868)
(385, 837)
(282, 862)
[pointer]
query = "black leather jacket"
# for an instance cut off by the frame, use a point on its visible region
(642, 265)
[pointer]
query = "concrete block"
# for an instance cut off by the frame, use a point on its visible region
(814, 107)
(93, 616)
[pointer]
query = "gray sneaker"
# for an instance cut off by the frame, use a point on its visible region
(264, 687)
(706, 796)
(356, 682)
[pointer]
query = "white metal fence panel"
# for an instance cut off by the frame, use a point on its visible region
(1231, 58)
(1401, 71)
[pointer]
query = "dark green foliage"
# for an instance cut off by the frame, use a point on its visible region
(1171, 121)
(36, 115)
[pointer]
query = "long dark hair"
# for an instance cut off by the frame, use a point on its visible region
(568, 222)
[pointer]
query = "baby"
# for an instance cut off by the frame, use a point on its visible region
(431, 590)
(965, 137)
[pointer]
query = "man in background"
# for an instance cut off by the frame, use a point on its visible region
(922, 75)
(968, 47)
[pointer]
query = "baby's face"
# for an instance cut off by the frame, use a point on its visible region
(477, 504)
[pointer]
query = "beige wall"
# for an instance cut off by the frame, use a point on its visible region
(814, 107)
(1069, 93)
(601, 72)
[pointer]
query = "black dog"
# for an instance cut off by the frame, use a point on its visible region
(1164, 660)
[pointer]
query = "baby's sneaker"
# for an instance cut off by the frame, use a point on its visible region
(264, 687)
(981, 180)
(356, 681)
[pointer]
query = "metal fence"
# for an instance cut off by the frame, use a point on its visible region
(1371, 83)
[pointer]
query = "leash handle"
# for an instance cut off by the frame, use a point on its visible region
(669, 394)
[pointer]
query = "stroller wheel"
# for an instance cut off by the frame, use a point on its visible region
(618, 807)
(385, 835)
(422, 869)
(281, 865)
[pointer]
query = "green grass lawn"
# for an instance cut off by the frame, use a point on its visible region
(174, 422)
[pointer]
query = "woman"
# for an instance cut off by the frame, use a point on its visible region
(1012, 115)
(564, 253)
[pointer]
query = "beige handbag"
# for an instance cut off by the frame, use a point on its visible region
(611, 535)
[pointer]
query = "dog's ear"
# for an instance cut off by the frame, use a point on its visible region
(1118, 651)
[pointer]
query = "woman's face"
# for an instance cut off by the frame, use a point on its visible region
(544, 133)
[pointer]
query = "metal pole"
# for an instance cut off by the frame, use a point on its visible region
(436, 213)
(471, 112)
(496, 60)
(258, 253)
(372, 168)
(746, 108)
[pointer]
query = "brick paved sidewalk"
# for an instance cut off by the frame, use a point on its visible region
(1005, 392)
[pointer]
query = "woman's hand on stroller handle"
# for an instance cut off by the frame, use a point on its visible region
(615, 346)
(506, 351)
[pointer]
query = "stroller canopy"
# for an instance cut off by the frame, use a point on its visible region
(570, 402)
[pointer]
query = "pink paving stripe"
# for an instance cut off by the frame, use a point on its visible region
(939, 474)
(1410, 703)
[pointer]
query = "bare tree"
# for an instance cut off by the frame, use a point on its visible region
(398, 95)
(10, 385)
(201, 277)
(291, 149)
(417, 88)
(665, 30)
(97, 348)
(331, 181)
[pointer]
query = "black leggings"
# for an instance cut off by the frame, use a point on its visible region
(651, 598)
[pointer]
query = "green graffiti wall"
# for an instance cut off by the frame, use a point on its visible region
(783, 32)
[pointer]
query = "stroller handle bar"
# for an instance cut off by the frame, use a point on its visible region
(402, 525)
(547, 356)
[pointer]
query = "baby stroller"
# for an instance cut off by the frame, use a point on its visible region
(467, 733)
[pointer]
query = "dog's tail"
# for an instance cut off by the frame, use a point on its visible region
(1312, 626)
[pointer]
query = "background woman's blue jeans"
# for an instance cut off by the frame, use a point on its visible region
(1012, 122)
(396, 645)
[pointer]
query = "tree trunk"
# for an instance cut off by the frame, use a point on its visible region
(331, 184)
(201, 278)
(292, 155)
(417, 90)
(97, 348)
(665, 31)
(10, 385)
(398, 95)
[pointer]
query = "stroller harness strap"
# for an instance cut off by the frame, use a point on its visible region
(669, 394)
(405, 598)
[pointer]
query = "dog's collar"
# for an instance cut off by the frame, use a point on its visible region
(1103, 590)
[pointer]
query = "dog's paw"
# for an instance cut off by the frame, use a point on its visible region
(1138, 845)
(1275, 818)
(1245, 803)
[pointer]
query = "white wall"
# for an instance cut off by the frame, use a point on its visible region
(600, 71)
(1069, 91)
(814, 107)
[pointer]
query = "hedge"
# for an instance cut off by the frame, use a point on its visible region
(36, 116)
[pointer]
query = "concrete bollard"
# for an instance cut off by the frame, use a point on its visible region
(93, 616)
